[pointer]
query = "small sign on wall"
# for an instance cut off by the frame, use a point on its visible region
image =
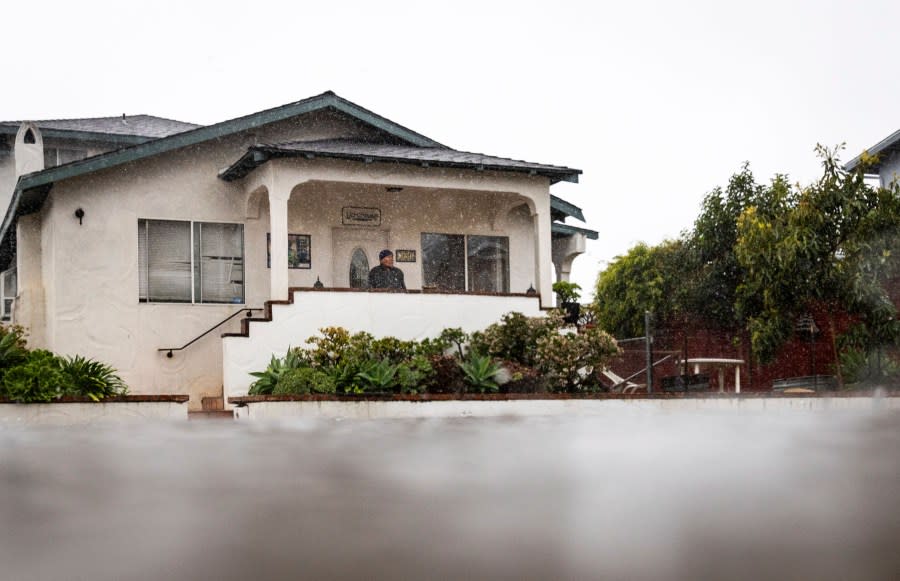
(353, 216)
(404, 256)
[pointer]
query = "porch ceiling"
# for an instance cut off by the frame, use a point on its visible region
(372, 152)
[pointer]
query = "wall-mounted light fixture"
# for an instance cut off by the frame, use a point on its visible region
(79, 213)
(531, 291)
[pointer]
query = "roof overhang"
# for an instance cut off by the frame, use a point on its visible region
(882, 149)
(257, 155)
(558, 229)
(9, 129)
(562, 209)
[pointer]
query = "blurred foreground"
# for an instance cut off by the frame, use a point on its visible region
(630, 495)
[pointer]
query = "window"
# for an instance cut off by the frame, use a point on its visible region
(190, 262)
(8, 287)
(359, 269)
(457, 262)
(55, 156)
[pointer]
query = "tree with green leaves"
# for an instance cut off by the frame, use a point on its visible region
(834, 243)
(644, 279)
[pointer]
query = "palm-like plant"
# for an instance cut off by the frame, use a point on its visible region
(90, 378)
(480, 371)
(379, 375)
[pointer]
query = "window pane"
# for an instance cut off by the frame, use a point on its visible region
(359, 269)
(488, 261)
(219, 263)
(143, 250)
(443, 261)
(167, 248)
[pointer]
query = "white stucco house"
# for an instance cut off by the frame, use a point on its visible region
(186, 255)
(887, 162)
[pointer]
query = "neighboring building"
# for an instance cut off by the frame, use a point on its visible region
(127, 238)
(887, 163)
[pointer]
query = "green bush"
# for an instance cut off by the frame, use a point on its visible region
(89, 378)
(268, 379)
(12, 347)
(480, 372)
(303, 381)
(379, 376)
(515, 337)
(571, 361)
(38, 378)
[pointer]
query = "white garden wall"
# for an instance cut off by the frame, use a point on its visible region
(407, 316)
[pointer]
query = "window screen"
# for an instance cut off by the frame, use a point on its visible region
(218, 263)
(487, 258)
(444, 261)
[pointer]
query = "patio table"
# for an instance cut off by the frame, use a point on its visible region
(720, 364)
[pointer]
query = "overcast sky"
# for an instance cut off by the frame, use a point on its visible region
(656, 101)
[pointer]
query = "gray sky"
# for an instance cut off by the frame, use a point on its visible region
(657, 102)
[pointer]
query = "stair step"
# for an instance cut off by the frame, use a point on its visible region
(215, 415)
(212, 404)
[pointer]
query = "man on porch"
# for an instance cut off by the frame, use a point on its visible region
(386, 275)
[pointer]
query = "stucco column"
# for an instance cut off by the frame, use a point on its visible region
(278, 223)
(542, 252)
(565, 250)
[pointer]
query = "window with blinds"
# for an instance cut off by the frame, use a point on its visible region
(190, 262)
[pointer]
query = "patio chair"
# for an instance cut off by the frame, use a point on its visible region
(622, 385)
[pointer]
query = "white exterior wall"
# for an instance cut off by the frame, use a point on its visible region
(89, 272)
(401, 315)
(890, 170)
(368, 410)
(88, 414)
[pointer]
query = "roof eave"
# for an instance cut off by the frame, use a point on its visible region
(567, 230)
(258, 155)
(117, 138)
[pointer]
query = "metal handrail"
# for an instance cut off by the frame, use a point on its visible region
(170, 350)
(633, 375)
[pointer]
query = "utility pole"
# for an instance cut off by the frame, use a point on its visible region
(648, 342)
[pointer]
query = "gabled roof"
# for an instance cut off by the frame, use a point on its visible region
(126, 129)
(32, 189)
(371, 152)
(885, 147)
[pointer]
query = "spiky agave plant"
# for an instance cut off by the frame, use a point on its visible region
(90, 378)
(480, 372)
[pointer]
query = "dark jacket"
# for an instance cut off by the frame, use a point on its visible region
(386, 277)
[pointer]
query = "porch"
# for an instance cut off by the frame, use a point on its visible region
(412, 315)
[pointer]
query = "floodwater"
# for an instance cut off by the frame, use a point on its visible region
(624, 496)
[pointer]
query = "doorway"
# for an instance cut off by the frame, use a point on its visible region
(355, 250)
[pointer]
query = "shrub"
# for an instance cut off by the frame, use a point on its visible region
(447, 375)
(515, 337)
(268, 379)
(12, 347)
(415, 375)
(572, 360)
(522, 379)
(93, 379)
(38, 378)
(378, 376)
(480, 372)
(567, 292)
(304, 380)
